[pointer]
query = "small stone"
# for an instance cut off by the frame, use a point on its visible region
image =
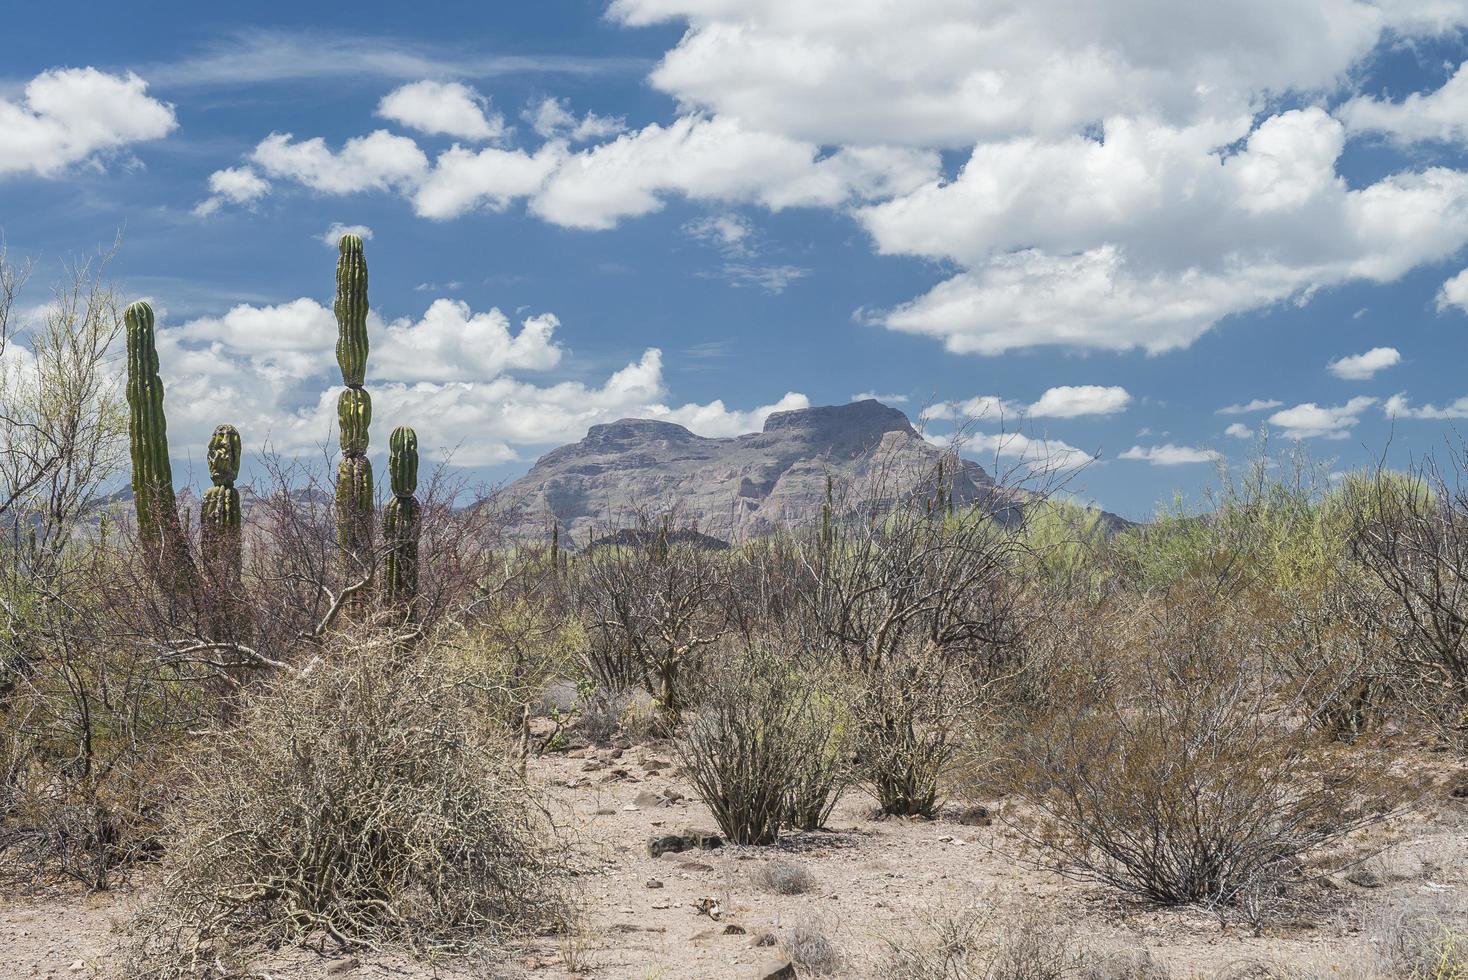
(77, 966)
(605, 811)
(344, 966)
(734, 930)
(945, 839)
(654, 883)
(647, 798)
(591, 765)
(765, 938)
(615, 753)
(630, 807)
(774, 969)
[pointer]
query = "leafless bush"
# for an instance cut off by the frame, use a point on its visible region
(782, 877)
(651, 599)
(918, 603)
(358, 799)
(747, 743)
(1191, 781)
(1410, 534)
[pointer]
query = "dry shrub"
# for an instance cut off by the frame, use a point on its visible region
(1191, 780)
(753, 739)
(811, 951)
(781, 877)
(359, 800)
(973, 944)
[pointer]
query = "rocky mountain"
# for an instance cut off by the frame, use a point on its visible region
(731, 488)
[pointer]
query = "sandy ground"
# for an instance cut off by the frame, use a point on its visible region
(700, 913)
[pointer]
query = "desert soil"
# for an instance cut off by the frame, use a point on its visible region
(699, 913)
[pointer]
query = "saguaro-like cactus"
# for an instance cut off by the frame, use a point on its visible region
(402, 521)
(148, 430)
(221, 512)
(354, 496)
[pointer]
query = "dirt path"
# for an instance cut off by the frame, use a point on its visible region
(700, 913)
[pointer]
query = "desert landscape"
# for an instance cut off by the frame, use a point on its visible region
(750, 489)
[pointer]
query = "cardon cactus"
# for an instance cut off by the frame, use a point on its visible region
(403, 519)
(148, 431)
(221, 511)
(354, 411)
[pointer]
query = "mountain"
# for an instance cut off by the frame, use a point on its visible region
(730, 488)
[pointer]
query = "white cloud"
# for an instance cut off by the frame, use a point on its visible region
(1072, 401)
(1311, 421)
(551, 119)
(489, 178)
(377, 161)
(941, 73)
(1100, 243)
(67, 115)
(271, 371)
(986, 407)
(1035, 454)
(453, 343)
(447, 108)
(332, 236)
(1362, 367)
(731, 233)
(884, 399)
(1397, 406)
(717, 159)
(233, 185)
(1172, 455)
(1257, 405)
(1239, 430)
(1440, 115)
(1454, 292)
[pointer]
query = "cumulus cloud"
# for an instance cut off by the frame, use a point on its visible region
(451, 372)
(1312, 421)
(1362, 367)
(950, 74)
(551, 119)
(377, 161)
(718, 159)
(1256, 405)
(67, 115)
(490, 178)
(1439, 115)
(1238, 430)
(1041, 454)
(884, 399)
(443, 108)
(1096, 242)
(233, 185)
(331, 237)
(1398, 407)
(1454, 292)
(1072, 401)
(985, 407)
(1172, 455)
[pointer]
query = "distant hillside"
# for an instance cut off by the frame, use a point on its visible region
(732, 488)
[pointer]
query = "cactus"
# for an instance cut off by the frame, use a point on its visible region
(220, 518)
(354, 496)
(402, 521)
(148, 431)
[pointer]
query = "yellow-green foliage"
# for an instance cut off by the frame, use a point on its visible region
(512, 654)
(1065, 542)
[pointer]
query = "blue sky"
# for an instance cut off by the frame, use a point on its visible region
(1100, 224)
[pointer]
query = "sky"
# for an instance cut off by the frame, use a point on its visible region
(1125, 239)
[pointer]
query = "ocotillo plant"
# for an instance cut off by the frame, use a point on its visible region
(401, 522)
(220, 518)
(354, 498)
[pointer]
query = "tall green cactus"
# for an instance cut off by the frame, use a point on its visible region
(403, 519)
(354, 497)
(220, 517)
(148, 432)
